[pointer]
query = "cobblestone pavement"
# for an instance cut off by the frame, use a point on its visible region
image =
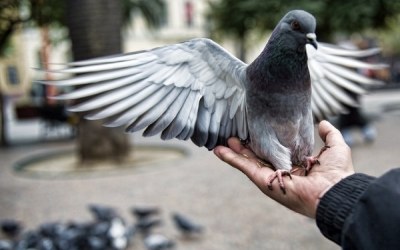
(235, 214)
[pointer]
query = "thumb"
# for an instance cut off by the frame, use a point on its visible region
(329, 134)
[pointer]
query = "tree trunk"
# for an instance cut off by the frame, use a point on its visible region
(95, 30)
(3, 132)
(242, 52)
(44, 57)
(241, 47)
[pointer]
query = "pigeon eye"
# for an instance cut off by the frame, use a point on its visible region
(295, 25)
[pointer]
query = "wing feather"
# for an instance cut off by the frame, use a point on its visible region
(200, 135)
(338, 51)
(141, 106)
(141, 91)
(105, 66)
(99, 88)
(150, 116)
(168, 116)
(113, 59)
(93, 78)
(328, 99)
(215, 122)
(193, 89)
(179, 122)
(338, 93)
(335, 79)
(188, 130)
(127, 103)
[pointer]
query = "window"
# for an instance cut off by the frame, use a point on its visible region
(12, 75)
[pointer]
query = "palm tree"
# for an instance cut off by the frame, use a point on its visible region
(95, 30)
(153, 11)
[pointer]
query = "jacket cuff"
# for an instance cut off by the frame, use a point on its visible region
(337, 204)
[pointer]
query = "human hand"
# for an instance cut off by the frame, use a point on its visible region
(302, 192)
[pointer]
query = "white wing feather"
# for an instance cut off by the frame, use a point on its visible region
(333, 77)
(186, 90)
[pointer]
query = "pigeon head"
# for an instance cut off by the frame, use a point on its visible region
(284, 56)
(299, 27)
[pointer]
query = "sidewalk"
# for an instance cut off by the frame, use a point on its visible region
(235, 214)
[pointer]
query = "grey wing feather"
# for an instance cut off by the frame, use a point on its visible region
(333, 76)
(194, 90)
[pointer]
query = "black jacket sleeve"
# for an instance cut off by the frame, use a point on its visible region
(362, 212)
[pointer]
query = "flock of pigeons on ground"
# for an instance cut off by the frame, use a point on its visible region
(107, 231)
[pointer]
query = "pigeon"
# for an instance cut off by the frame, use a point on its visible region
(10, 227)
(6, 245)
(102, 213)
(158, 242)
(184, 225)
(144, 212)
(144, 226)
(28, 240)
(118, 234)
(197, 90)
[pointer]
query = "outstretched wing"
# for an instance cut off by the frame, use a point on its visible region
(194, 89)
(334, 77)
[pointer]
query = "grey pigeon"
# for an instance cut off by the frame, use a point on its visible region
(10, 228)
(158, 242)
(185, 225)
(144, 226)
(144, 212)
(197, 90)
(102, 213)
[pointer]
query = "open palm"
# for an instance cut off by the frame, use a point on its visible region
(302, 192)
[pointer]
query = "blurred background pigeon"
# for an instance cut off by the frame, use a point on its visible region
(106, 231)
(144, 226)
(144, 212)
(6, 245)
(102, 213)
(10, 228)
(158, 242)
(185, 225)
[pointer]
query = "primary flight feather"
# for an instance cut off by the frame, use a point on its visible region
(197, 90)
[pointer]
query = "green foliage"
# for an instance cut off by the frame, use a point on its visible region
(237, 17)
(153, 11)
(47, 12)
(349, 16)
(389, 38)
(39, 12)
(9, 20)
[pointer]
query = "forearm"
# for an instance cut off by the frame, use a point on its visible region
(362, 212)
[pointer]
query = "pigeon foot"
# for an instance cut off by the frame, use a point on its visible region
(312, 160)
(278, 174)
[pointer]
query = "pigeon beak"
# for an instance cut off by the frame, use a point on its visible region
(312, 39)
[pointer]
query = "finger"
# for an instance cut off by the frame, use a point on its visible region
(329, 134)
(249, 166)
(236, 145)
(233, 158)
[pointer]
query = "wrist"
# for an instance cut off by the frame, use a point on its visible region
(330, 183)
(336, 204)
(325, 185)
